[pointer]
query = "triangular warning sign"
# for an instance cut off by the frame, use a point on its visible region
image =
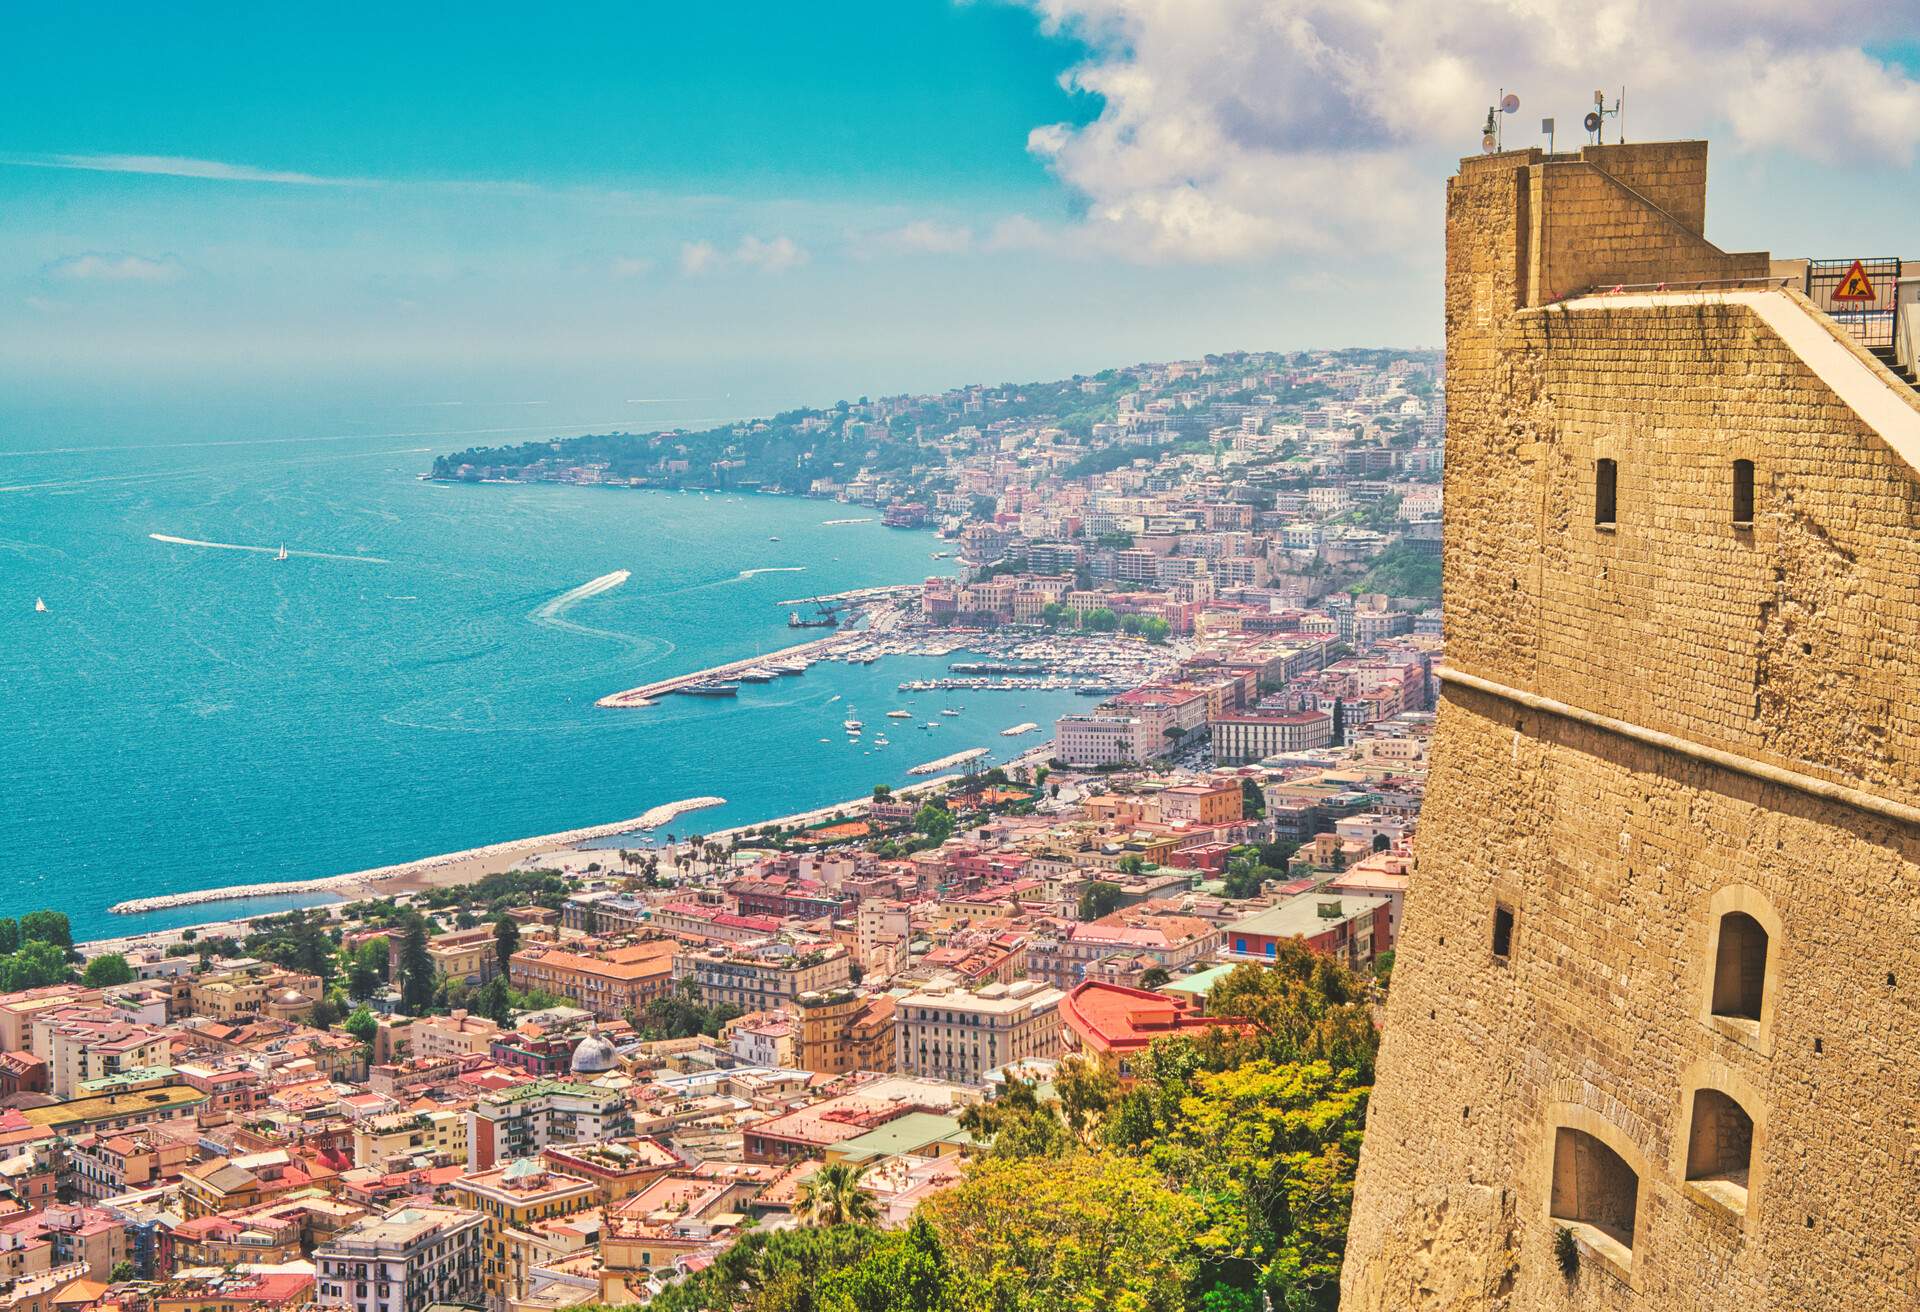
(1854, 287)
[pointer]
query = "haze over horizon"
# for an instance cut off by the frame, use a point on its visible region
(878, 197)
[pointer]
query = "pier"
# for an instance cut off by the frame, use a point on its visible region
(647, 693)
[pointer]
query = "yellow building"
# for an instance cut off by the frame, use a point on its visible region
(399, 1136)
(512, 1198)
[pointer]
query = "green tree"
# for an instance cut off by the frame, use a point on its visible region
(46, 927)
(1245, 876)
(367, 969)
(936, 822)
(122, 1272)
(361, 1025)
(1269, 1149)
(832, 1196)
(35, 965)
(1101, 619)
(9, 935)
(495, 1000)
(1302, 1006)
(1088, 1092)
(1018, 1122)
(1098, 899)
(111, 968)
(1253, 803)
(845, 1268)
(1154, 976)
(506, 940)
(908, 1272)
(1091, 1231)
(416, 968)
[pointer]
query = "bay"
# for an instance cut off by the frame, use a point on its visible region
(418, 676)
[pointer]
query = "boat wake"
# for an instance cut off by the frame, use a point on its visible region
(560, 605)
(171, 540)
(772, 569)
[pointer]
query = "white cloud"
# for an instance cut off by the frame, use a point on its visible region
(698, 257)
(769, 255)
(630, 266)
(929, 236)
(1233, 129)
(103, 266)
(180, 166)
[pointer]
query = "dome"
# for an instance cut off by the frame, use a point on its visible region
(593, 1056)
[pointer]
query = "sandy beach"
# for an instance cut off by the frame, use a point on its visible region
(428, 872)
(455, 868)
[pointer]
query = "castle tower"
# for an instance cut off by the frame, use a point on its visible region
(1655, 1015)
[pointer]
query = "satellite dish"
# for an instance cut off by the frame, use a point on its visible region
(1489, 144)
(1592, 120)
(1510, 104)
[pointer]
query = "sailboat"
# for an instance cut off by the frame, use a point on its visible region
(283, 552)
(40, 604)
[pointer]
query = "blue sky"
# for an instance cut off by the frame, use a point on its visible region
(856, 196)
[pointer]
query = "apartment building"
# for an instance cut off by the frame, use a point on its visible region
(840, 1030)
(522, 1121)
(510, 1198)
(768, 980)
(947, 1033)
(1240, 739)
(405, 1261)
(610, 983)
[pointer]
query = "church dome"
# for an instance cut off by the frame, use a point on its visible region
(593, 1056)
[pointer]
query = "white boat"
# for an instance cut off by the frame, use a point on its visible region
(899, 715)
(931, 724)
(949, 711)
(881, 740)
(283, 552)
(39, 604)
(773, 539)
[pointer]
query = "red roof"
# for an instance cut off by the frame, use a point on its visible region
(1113, 1018)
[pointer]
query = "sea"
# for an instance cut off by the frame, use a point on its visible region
(418, 676)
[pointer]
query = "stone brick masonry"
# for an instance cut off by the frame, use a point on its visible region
(1673, 748)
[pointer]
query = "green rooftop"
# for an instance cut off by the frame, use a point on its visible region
(913, 1133)
(1198, 985)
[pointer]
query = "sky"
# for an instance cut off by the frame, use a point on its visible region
(851, 197)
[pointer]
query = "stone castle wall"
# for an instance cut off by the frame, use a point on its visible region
(1776, 662)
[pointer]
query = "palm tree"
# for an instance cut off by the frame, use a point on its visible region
(832, 1196)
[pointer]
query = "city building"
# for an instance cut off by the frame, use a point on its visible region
(611, 982)
(405, 1261)
(511, 1198)
(947, 1033)
(521, 1121)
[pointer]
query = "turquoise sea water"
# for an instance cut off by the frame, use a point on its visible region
(415, 678)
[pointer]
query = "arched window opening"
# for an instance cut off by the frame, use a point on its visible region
(1720, 1148)
(1595, 1193)
(1740, 967)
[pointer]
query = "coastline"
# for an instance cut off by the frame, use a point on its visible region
(428, 872)
(474, 864)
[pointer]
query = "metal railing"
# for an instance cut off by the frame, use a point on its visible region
(1860, 295)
